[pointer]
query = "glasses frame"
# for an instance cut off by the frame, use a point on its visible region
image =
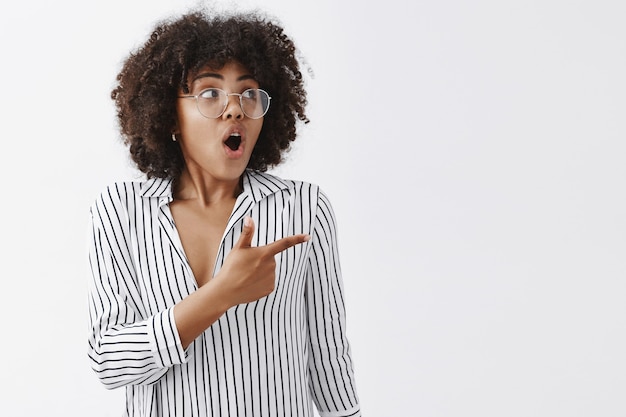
(197, 98)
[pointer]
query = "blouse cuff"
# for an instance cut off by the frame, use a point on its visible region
(164, 340)
(352, 412)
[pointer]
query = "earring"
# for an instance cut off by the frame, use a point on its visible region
(173, 137)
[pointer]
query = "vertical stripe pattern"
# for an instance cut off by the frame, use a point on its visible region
(278, 356)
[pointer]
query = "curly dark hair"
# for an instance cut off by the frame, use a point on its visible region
(151, 77)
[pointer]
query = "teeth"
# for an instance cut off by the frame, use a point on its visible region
(235, 134)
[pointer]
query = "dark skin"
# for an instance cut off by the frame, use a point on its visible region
(200, 227)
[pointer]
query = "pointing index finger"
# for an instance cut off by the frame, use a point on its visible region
(287, 242)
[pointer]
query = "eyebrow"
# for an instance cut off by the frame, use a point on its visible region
(220, 76)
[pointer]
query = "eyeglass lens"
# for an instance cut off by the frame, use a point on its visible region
(212, 102)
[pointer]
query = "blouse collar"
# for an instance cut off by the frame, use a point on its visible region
(256, 184)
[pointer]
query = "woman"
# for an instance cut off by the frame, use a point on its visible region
(216, 288)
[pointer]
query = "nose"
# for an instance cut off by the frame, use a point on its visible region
(233, 108)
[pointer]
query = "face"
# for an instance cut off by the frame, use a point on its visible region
(218, 148)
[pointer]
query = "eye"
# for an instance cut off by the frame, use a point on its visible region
(210, 94)
(250, 94)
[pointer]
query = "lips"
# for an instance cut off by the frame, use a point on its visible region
(234, 142)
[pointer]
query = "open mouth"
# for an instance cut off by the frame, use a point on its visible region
(233, 141)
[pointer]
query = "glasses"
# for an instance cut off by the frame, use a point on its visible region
(212, 102)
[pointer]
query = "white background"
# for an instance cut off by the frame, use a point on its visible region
(475, 155)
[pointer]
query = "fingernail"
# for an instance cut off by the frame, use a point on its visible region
(247, 221)
(307, 238)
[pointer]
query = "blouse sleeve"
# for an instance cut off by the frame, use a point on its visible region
(332, 381)
(125, 346)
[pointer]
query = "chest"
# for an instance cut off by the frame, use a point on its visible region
(200, 233)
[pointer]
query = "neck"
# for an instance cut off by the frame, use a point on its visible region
(206, 190)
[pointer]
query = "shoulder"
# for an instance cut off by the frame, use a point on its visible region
(115, 193)
(269, 183)
(123, 195)
(301, 193)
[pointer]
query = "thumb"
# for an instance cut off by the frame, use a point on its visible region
(245, 240)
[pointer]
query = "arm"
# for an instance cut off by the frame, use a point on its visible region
(332, 381)
(125, 346)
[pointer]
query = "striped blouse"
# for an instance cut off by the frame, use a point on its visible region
(272, 357)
